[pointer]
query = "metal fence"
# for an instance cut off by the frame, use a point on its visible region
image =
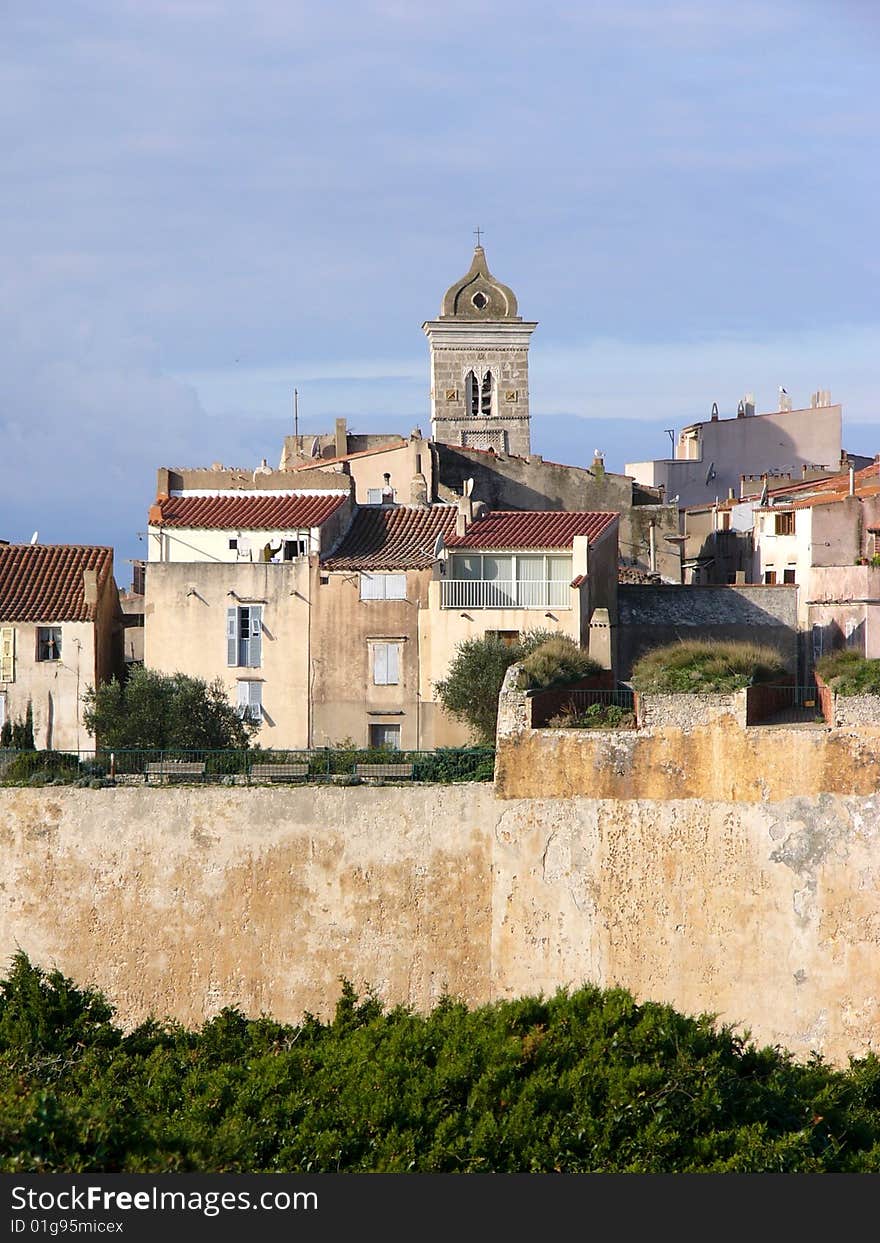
(247, 767)
(584, 709)
(770, 703)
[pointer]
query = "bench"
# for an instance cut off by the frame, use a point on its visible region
(175, 768)
(383, 770)
(279, 772)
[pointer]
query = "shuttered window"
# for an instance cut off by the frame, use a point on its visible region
(244, 636)
(383, 586)
(7, 654)
(250, 700)
(386, 663)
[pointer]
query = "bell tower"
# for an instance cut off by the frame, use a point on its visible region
(480, 364)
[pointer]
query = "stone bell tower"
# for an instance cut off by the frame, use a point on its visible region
(480, 365)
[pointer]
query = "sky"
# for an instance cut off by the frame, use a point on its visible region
(206, 205)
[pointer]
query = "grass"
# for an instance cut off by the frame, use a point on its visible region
(555, 662)
(702, 666)
(849, 673)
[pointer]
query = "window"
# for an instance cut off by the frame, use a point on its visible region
(244, 636)
(769, 577)
(48, 642)
(387, 736)
(784, 524)
(385, 659)
(383, 586)
(788, 574)
(250, 700)
(480, 394)
(510, 580)
(233, 543)
(7, 654)
(294, 548)
(508, 637)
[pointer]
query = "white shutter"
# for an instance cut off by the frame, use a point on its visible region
(395, 586)
(255, 652)
(371, 586)
(392, 651)
(7, 654)
(232, 636)
(243, 701)
(255, 700)
(380, 664)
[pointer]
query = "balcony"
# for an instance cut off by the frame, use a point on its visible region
(460, 593)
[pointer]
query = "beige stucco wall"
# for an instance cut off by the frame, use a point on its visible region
(185, 609)
(180, 901)
(54, 687)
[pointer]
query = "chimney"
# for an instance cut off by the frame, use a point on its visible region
(341, 438)
(731, 495)
(90, 586)
(465, 515)
(714, 415)
(418, 490)
(387, 490)
(852, 479)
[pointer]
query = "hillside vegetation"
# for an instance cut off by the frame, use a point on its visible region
(578, 1082)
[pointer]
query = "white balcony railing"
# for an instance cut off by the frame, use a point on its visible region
(460, 593)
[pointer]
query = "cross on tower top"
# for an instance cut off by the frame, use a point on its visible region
(478, 232)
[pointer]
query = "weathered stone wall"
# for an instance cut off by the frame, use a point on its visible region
(178, 901)
(689, 712)
(650, 616)
(851, 711)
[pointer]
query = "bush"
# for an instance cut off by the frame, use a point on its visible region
(39, 767)
(154, 711)
(596, 716)
(557, 661)
(583, 1081)
(849, 673)
(699, 666)
(471, 688)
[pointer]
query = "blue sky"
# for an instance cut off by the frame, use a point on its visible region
(206, 204)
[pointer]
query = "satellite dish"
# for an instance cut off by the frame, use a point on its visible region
(468, 486)
(34, 537)
(439, 545)
(316, 448)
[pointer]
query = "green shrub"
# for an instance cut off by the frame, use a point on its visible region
(849, 673)
(700, 666)
(39, 767)
(471, 688)
(596, 716)
(557, 661)
(583, 1081)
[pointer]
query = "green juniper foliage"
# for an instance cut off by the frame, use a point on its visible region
(583, 1081)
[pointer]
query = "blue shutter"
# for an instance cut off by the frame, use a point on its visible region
(232, 636)
(256, 644)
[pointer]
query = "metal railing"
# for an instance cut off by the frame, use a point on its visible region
(465, 593)
(584, 709)
(245, 767)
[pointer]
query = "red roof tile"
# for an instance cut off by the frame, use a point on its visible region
(44, 582)
(532, 529)
(253, 512)
(393, 538)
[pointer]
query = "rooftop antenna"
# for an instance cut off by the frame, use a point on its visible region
(670, 432)
(295, 413)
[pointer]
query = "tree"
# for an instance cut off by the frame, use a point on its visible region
(471, 688)
(19, 735)
(154, 710)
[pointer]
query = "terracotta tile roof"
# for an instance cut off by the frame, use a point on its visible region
(44, 582)
(397, 537)
(251, 512)
(532, 529)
